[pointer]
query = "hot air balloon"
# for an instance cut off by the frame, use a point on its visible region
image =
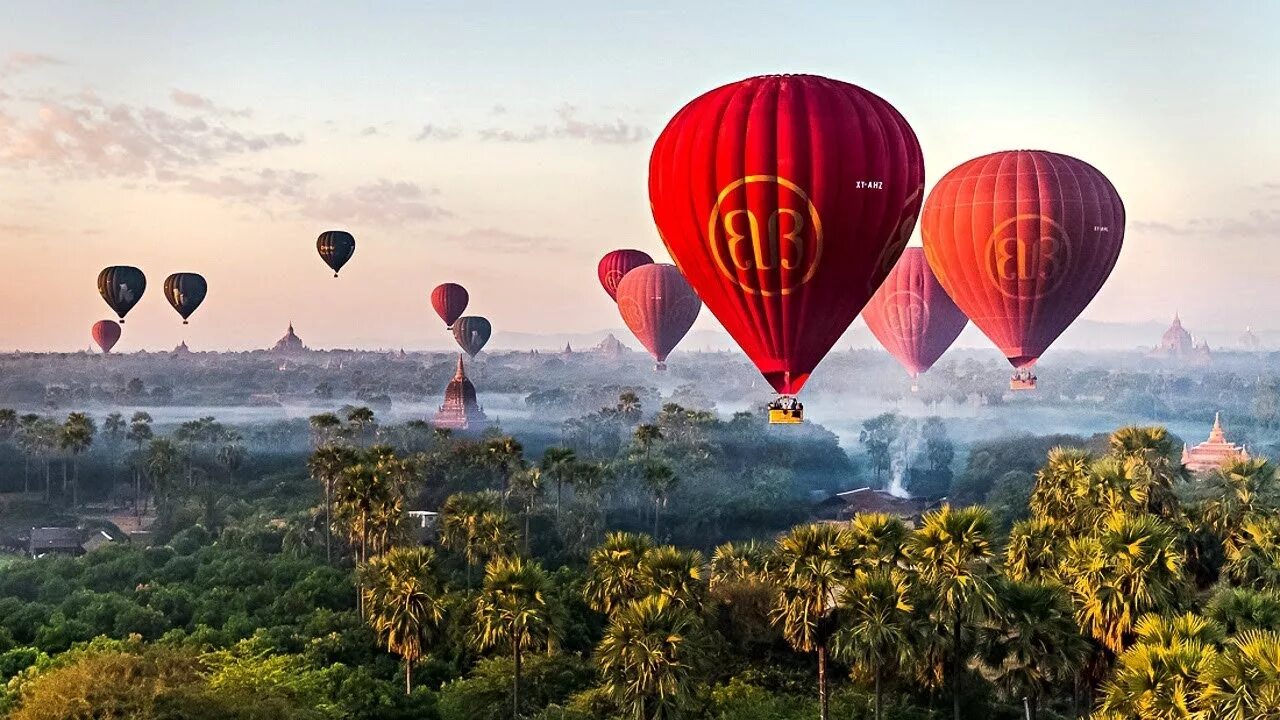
(659, 307)
(106, 333)
(449, 301)
(336, 247)
(912, 316)
(472, 332)
(122, 287)
(785, 200)
(617, 264)
(185, 291)
(1022, 241)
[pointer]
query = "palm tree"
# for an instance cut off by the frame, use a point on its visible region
(1253, 558)
(512, 609)
(615, 572)
(1034, 549)
(1033, 644)
(674, 573)
(661, 480)
(1243, 681)
(648, 655)
(325, 465)
(1153, 448)
(647, 436)
(879, 541)
(1240, 489)
(505, 454)
(325, 429)
(77, 437)
(8, 423)
(628, 407)
(463, 523)
(1241, 609)
(231, 454)
(404, 602)
(737, 563)
(952, 554)
(1054, 495)
(361, 421)
(163, 463)
(810, 567)
(557, 463)
(876, 627)
(1160, 677)
(28, 443)
(139, 434)
(1130, 567)
(527, 486)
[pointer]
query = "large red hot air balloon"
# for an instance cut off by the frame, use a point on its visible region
(785, 200)
(450, 301)
(912, 316)
(1022, 241)
(617, 264)
(106, 333)
(658, 305)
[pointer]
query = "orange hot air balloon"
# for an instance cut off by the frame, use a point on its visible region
(912, 316)
(1022, 241)
(659, 307)
(785, 200)
(106, 333)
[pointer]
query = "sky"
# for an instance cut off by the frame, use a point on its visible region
(504, 145)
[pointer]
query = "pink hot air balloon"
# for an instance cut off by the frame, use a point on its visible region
(659, 306)
(106, 333)
(912, 316)
(614, 266)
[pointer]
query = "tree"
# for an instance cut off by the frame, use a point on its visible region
(326, 429)
(938, 448)
(1240, 489)
(810, 567)
(1253, 556)
(661, 480)
(526, 485)
(1243, 681)
(1034, 549)
(512, 609)
(616, 572)
(1032, 644)
(1160, 677)
(557, 463)
(468, 525)
(876, 627)
(674, 573)
(77, 436)
(163, 462)
(404, 602)
(878, 435)
(139, 434)
(879, 541)
(648, 657)
(325, 465)
(361, 422)
(952, 554)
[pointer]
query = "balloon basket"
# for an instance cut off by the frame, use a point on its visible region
(660, 367)
(786, 410)
(1022, 381)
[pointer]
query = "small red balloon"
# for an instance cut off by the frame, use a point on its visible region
(658, 306)
(912, 316)
(106, 333)
(615, 265)
(450, 301)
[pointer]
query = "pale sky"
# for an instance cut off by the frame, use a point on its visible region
(505, 146)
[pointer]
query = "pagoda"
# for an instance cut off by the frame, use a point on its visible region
(181, 351)
(1177, 343)
(290, 344)
(1214, 452)
(460, 410)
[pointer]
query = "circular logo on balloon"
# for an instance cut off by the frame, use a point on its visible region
(905, 310)
(1028, 256)
(611, 280)
(765, 235)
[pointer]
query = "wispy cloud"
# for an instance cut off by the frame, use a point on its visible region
(568, 126)
(1260, 223)
(17, 62)
(382, 202)
(437, 132)
(251, 186)
(498, 240)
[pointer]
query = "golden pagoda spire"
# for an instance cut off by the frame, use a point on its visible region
(460, 374)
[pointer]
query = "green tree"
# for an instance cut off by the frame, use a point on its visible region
(405, 604)
(512, 610)
(616, 572)
(325, 465)
(876, 627)
(1253, 557)
(557, 463)
(1243, 681)
(649, 656)
(879, 541)
(77, 436)
(879, 435)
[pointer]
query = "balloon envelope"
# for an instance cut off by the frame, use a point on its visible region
(472, 332)
(912, 316)
(106, 333)
(185, 292)
(449, 301)
(659, 307)
(336, 247)
(785, 200)
(1022, 241)
(615, 265)
(122, 287)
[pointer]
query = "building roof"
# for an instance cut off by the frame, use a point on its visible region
(461, 409)
(1214, 452)
(47, 539)
(868, 500)
(290, 344)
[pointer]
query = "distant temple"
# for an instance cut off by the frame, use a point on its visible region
(1214, 452)
(290, 344)
(568, 350)
(460, 410)
(181, 350)
(610, 347)
(1250, 341)
(1178, 344)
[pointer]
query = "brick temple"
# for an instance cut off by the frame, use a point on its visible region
(460, 410)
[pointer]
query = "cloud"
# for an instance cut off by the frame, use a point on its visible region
(569, 127)
(191, 100)
(18, 62)
(85, 136)
(251, 186)
(498, 240)
(382, 202)
(1260, 223)
(436, 132)
(370, 131)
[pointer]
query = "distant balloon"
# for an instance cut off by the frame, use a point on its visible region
(450, 301)
(785, 200)
(1022, 241)
(615, 265)
(122, 287)
(336, 247)
(912, 316)
(472, 332)
(106, 333)
(659, 307)
(185, 292)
